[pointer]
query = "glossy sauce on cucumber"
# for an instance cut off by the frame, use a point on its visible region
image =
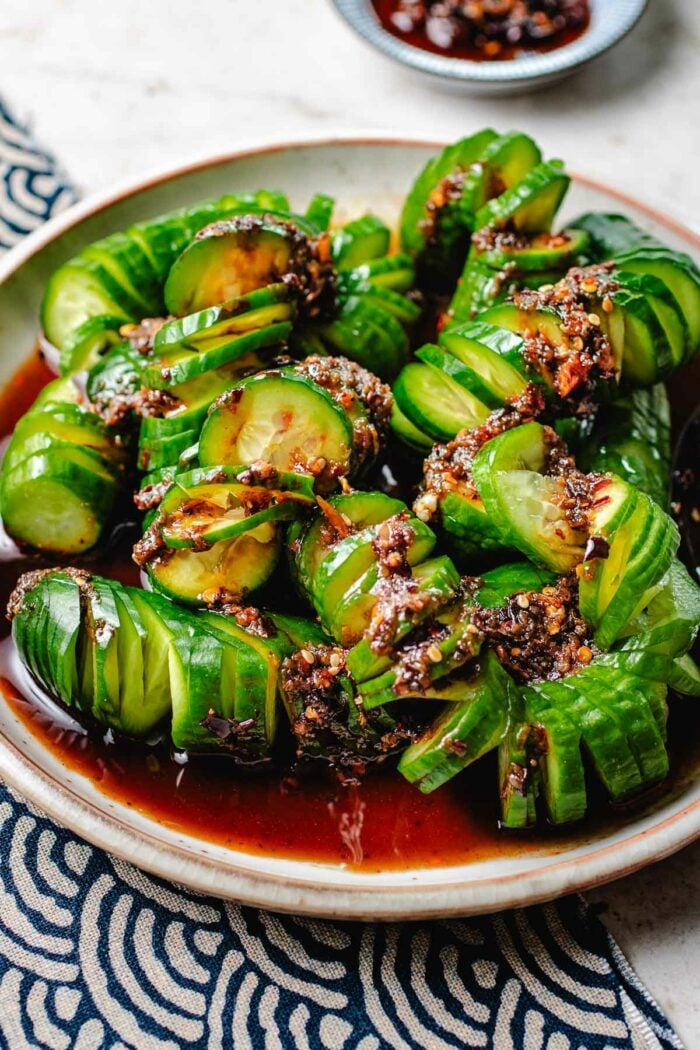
(385, 823)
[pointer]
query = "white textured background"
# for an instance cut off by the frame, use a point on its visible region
(120, 87)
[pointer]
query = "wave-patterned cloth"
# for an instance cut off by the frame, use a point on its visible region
(96, 954)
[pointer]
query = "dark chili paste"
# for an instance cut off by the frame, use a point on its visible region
(539, 635)
(484, 30)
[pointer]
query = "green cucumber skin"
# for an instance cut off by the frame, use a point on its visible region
(476, 723)
(421, 392)
(359, 241)
(462, 374)
(607, 745)
(438, 577)
(546, 183)
(631, 438)
(367, 334)
(500, 583)
(155, 243)
(684, 677)
(561, 769)
(440, 262)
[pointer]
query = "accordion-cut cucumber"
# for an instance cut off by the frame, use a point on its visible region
(435, 403)
(393, 272)
(122, 275)
(233, 257)
(531, 204)
(406, 432)
(89, 342)
(281, 418)
(437, 220)
(631, 438)
(466, 729)
(205, 506)
(367, 333)
(436, 578)
(641, 543)
(238, 566)
(359, 241)
(544, 251)
(498, 379)
(61, 475)
(164, 439)
(310, 542)
(521, 502)
(346, 563)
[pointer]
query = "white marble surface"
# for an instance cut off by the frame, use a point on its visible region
(119, 89)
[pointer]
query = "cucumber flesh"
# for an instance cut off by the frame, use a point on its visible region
(279, 418)
(435, 403)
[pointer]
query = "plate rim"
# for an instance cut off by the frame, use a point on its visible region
(311, 895)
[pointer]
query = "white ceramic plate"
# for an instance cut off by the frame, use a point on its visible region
(361, 173)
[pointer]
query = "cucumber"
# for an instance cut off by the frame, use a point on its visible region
(368, 334)
(435, 403)
(437, 220)
(281, 418)
(205, 506)
(497, 585)
(498, 379)
(557, 750)
(685, 676)
(521, 502)
(309, 543)
(407, 433)
(345, 563)
(504, 162)
(114, 381)
(626, 703)
(233, 257)
(670, 622)
(74, 294)
(393, 272)
(613, 235)
(319, 211)
(164, 439)
(668, 313)
(531, 204)
(452, 636)
(58, 500)
(641, 548)
(262, 306)
(237, 566)
(647, 355)
(631, 438)
(466, 729)
(180, 366)
(436, 579)
(359, 241)
(553, 252)
(680, 275)
(463, 517)
(88, 342)
(462, 374)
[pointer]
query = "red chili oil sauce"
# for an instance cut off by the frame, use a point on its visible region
(385, 823)
(484, 30)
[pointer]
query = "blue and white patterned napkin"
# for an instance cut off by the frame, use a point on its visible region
(96, 954)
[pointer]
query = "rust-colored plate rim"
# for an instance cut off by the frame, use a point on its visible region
(311, 893)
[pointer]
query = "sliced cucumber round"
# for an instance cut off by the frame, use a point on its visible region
(435, 403)
(283, 419)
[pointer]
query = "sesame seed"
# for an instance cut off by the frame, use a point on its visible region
(307, 656)
(523, 601)
(608, 305)
(594, 319)
(434, 654)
